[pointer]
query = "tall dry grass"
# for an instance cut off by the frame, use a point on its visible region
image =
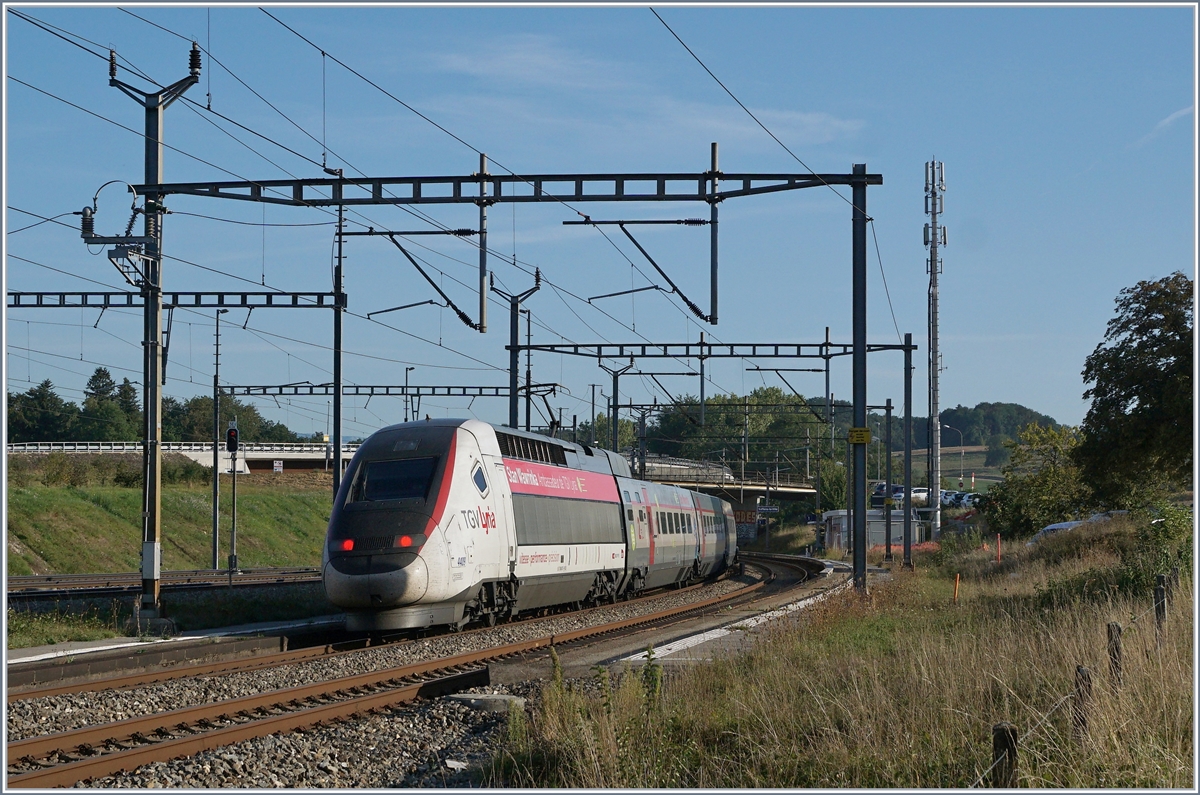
(900, 688)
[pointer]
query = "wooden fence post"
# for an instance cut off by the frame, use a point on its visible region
(1004, 756)
(1081, 701)
(1114, 653)
(1160, 609)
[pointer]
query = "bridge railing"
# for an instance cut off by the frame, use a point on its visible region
(169, 447)
(686, 470)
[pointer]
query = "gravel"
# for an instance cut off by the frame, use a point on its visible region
(435, 743)
(406, 747)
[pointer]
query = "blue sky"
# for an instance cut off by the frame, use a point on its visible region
(1068, 136)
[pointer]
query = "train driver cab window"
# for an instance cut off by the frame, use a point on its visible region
(480, 480)
(406, 479)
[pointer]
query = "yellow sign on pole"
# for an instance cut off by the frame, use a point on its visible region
(860, 436)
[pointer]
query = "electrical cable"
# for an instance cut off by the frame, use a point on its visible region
(385, 92)
(558, 289)
(885, 287)
(39, 223)
(789, 151)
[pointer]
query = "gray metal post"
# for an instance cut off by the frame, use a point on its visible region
(514, 358)
(514, 331)
(233, 564)
(339, 304)
(592, 419)
(887, 494)
(154, 104)
(642, 446)
(483, 266)
(702, 357)
(712, 231)
(528, 367)
(616, 436)
(934, 185)
(859, 256)
(908, 450)
(217, 443)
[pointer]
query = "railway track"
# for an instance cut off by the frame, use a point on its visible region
(335, 648)
(91, 752)
(64, 758)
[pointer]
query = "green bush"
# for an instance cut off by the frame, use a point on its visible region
(20, 471)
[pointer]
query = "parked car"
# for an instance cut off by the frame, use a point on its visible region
(920, 496)
(1050, 529)
(1057, 527)
(968, 499)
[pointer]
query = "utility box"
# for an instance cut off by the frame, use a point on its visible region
(833, 525)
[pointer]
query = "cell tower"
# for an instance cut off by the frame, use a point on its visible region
(935, 235)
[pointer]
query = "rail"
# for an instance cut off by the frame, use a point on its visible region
(65, 758)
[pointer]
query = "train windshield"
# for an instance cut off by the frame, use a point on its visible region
(405, 479)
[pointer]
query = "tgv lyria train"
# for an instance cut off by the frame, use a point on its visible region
(450, 521)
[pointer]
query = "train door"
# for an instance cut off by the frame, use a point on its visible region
(501, 535)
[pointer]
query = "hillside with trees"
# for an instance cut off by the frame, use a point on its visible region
(111, 412)
(1134, 448)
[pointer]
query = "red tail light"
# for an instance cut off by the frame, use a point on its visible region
(347, 544)
(406, 541)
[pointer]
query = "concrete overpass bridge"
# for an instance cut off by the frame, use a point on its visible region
(252, 456)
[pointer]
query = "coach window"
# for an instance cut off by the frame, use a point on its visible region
(626, 496)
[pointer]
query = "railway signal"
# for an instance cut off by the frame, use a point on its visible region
(231, 440)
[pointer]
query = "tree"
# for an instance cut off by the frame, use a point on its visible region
(998, 453)
(1042, 484)
(101, 385)
(40, 415)
(1138, 430)
(103, 421)
(192, 421)
(130, 403)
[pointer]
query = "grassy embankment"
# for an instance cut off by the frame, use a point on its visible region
(902, 688)
(82, 514)
(971, 460)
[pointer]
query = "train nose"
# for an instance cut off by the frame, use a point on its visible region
(392, 579)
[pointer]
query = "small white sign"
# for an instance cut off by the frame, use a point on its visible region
(278, 466)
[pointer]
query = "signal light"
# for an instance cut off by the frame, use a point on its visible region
(406, 541)
(231, 440)
(347, 544)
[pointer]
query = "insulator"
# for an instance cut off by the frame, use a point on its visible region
(694, 222)
(194, 60)
(112, 64)
(88, 225)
